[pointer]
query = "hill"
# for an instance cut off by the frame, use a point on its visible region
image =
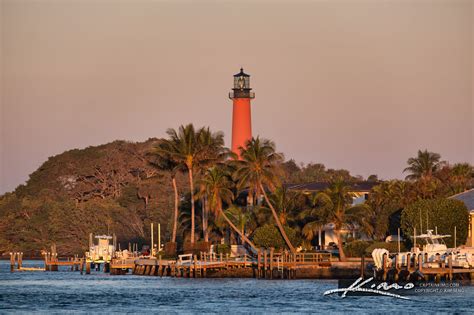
(111, 188)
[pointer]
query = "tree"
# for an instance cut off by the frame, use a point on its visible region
(217, 185)
(373, 178)
(257, 170)
(386, 199)
(287, 202)
(268, 236)
(334, 206)
(164, 161)
(186, 150)
(461, 176)
(437, 214)
(211, 152)
(424, 165)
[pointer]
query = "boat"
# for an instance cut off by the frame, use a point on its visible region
(103, 251)
(434, 251)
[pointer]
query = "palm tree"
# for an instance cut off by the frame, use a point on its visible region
(186, 151)
(217, 185)
(257, 170)
(424, 165)
(461, 175)
(333, 206)
(164, 161)
(287, 202)
(211, 152)
(241, 217)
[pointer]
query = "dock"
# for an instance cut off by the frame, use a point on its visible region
(267, 265)
(417, 267)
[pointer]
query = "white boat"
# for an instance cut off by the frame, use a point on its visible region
(433, 251)
(103, 251)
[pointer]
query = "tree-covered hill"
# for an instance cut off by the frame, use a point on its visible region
(111, 188)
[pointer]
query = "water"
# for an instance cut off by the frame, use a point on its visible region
(66, 291)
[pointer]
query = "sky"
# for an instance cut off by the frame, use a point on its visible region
(360, 85)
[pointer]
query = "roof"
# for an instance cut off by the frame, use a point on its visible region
(241, 73)
(467, 197)
(319, 186)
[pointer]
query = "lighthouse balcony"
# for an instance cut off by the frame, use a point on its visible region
(241, 94)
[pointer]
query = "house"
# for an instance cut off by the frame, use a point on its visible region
(468, 198)
(359, 190)
(360, 193)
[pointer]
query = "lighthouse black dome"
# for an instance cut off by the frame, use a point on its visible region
(241, 73)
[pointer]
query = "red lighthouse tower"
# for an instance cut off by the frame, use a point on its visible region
(241, 118)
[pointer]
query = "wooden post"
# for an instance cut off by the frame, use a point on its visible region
(384, 265)
(195, 266)
(259, 259)
(414, 238)
(160, 266)
(455, 236)
(420, 262)
(20, 260)
(398, 240)
(294, 267)
(159, 237)
(88, 268)
(265, 266)
(12, 262)
(271, 262)
(450, 266)
(151, 247)
(204, 270)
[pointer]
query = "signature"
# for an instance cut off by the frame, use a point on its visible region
(380, 289)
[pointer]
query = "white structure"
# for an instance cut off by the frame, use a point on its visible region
(468, 198)
(103, 251)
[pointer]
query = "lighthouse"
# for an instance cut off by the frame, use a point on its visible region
(241, 118)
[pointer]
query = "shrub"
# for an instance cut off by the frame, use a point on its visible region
(223, 249)
(445, 214)
(392, 247)
(356, 248)
(196, 248)
(269, 236)
(170, 249)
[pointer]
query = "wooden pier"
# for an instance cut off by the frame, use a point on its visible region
(267, 265)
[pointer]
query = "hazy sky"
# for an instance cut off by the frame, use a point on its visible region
(354, 84)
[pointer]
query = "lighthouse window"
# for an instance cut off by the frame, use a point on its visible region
(241, 82)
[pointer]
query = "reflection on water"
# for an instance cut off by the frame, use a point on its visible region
(69, 291)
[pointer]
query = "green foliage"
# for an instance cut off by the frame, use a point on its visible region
(444, 214)
(392, 247)
(223, 249)
(313, 172)
(269, 236)
(356, 248)
(94, 190)
(195, 248)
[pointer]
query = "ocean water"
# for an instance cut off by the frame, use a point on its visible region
(66, 291)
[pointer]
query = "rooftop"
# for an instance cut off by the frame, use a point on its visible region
(319, 186)
(467, 197)
(241, 73)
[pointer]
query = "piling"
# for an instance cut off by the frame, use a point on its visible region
(362, 267)
(12, 262)
(88, 268)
